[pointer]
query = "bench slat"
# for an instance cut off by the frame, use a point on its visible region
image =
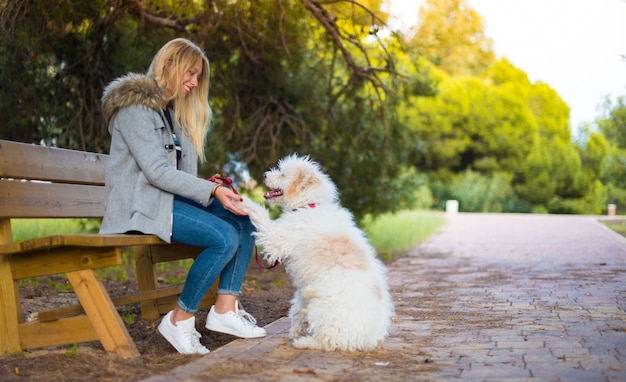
(22, 199)
(95, 240)
(68, 330)
(24, 161)
(75, 310)
(64, 259)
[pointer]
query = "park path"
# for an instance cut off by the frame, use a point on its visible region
(491, 297)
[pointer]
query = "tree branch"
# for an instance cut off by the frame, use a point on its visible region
(136, 8)
(328, 23)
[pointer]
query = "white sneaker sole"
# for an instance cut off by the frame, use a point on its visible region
(226, 330)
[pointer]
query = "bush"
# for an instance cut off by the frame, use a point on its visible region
(414, 192)
(617, 196)
(591, 204)
(477, 192)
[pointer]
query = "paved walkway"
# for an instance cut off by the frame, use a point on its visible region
(491, 297)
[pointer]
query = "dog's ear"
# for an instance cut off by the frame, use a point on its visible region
(301, 181)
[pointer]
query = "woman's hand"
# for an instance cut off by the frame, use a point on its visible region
(225, 195)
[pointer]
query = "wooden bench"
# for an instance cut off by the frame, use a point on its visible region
(43, 182)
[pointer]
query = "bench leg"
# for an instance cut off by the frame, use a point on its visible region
(98, 306)
(9, 311)
(146, 280)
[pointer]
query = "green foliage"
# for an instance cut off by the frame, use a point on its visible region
(49, 284)
(615, 167)
(470, 123)
(71, 352)
(174, 272)
(553, 166)
(415, 191)
(595, 153)
(502, 124)
(480, 193)
(605, 151)
(616, 195)
(63, 66)
(452, 36)
(592, 203)
(127, 315)
(394, 233)
(613, 123)
(477, 192)
(533, 181)
(567, 171)
(114, 272)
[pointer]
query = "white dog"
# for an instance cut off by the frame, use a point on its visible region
(342, 300)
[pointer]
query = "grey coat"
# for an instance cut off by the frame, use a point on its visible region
(141, 176)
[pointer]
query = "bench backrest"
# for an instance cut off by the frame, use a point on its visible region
(47, 182)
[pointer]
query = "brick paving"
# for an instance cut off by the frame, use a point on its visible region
(491, 297)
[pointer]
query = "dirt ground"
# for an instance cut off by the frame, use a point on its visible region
(265, 294)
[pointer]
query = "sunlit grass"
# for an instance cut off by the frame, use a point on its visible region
(393, 234)
(24, 229)
(618, 225)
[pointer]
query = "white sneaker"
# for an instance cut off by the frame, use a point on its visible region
(183, 336)
(238, 323)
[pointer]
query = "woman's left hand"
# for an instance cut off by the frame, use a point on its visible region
(225, 195)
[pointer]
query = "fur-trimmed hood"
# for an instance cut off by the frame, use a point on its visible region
(131, 89)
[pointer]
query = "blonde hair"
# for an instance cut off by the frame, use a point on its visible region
(191, 111)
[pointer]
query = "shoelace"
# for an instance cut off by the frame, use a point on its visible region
(246, 316)
(194, 337)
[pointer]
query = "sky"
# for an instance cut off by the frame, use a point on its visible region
(574, 46)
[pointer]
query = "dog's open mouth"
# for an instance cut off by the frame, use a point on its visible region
(273, 194)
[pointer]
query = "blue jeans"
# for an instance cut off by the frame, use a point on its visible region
(227, 242)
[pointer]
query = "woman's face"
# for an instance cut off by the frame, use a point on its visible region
(190, 79)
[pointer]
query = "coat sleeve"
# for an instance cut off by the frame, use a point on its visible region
(142, 129)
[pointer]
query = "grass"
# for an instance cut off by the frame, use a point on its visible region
(24, 229)
(616, 224)
(395, 233)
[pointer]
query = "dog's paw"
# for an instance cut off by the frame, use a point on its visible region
(307, 342)
(296, 331)
(249, 205)
(258, 214)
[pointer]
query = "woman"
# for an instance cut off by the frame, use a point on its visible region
(158, 124)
